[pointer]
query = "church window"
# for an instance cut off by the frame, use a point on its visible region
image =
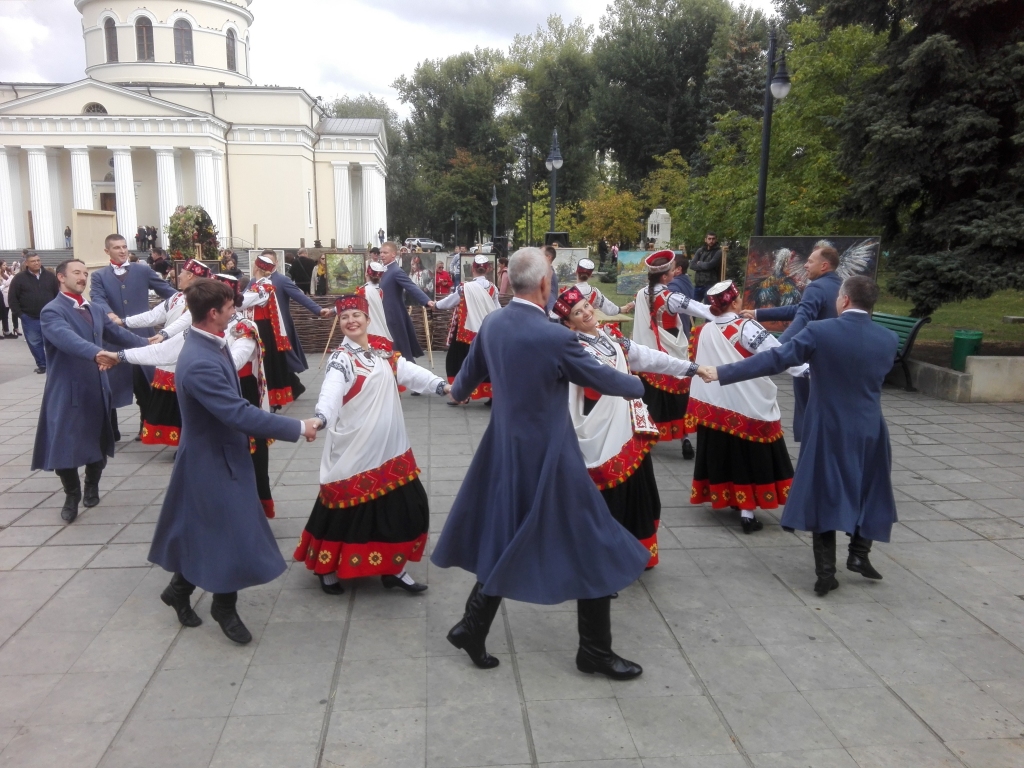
(110, 38)
(94, 108)
(183, 43)
(144, 39)
(232, 64)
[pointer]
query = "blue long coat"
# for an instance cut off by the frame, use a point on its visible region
(126, 298)
(212, 528)
(818, 302)
(287, 292)
(74, 418)
(842, 479)
(528, 520)
(394, 283)
(684, 285)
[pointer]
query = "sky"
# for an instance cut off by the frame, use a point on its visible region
(328, 47)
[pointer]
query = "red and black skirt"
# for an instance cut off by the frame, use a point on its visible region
(637, 505)
(259, 448)
(275, 366)
(730, 471)
(457, 353)
(161, 421)
(668, 410)
(374, 538)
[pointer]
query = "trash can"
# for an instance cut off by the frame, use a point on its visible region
(965, 343)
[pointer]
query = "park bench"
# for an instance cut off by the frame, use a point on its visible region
(906, 328)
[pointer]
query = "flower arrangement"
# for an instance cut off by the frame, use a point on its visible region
(191, 226)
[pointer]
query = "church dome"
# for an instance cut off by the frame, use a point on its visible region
(191, 42)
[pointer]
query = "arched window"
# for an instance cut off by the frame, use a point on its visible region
(94, 108)
(144, 39)
(232, 64)
(110, 37)
(183, 43)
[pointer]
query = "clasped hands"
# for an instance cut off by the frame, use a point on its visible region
(708, 373)
(106, 360)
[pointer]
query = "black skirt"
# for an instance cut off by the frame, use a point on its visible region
(375, 538)
(668, 411)
(259, 448)
(729, 471)
(456, 356)
(275, 366)
(161, 424)
(636, 504)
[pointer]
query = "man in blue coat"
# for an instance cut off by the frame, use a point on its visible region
(212, 531)
(394, 284)
(842, 481)
(528, 520)
(818, 302)
(287, 292)
(74, 419)
(122, 289)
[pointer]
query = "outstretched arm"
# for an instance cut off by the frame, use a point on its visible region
(810, 307)
(120, 337)
(795, 352)
(776, 314)
(406, 282)
(159, 286)
(57, 330)
(419, 379)
(219, 396)
(154, 354)
(681, 304)
(581, 368)
(292, 290)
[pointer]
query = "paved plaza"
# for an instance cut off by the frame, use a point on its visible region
(744, 665)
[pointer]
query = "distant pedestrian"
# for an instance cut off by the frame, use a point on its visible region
(6, 277)
(380, 236)
(31, 290)
(706, 265)
(67, 237)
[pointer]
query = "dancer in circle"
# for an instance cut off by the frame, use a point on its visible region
(616, 435)
(371, 516)
(584, 271)
(742, 459)
(472, 301)
(378, 334)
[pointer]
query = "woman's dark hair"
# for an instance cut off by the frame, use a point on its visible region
(653, 280)
(204, 294)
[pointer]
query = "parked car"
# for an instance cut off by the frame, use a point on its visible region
(425, 243)
(487, 247)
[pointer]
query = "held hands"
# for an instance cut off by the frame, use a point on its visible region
(627, 308)
(327, 312)
(106, 360)
(310, 428)
(749, 314)
(447, 388)
(708, 372)
(115, 319)
(155, 339)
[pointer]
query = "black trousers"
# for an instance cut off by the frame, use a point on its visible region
(142, 391)
(73, 484)
(182, 587)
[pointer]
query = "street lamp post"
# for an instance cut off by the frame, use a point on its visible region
(553, 163)
(455, 218)
(776, 86)
(494, 214)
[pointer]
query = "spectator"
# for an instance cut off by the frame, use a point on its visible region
(707, 266)
(6, 276)
(159, 262)
(380, 236)
(67, 236)
(31, 290)
(302, 270)
(504, 283)
(320, 276)
(602, 252)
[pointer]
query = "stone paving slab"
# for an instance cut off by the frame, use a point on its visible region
(744, 665)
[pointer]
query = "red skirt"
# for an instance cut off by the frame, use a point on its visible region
(729, 471)
(161, 423)
(275, 367)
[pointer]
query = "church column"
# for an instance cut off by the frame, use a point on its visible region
(342, 205)
(166, 188)
(81, 179)
(124, 193)
(206, 182)
(369, 212)
(222, 208)
(39, 193)
(382, 199)
(8, 238)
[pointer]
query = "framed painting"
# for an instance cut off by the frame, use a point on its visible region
(565, 264)
(421, 267)
(632, 272)
(254, 252)
(345, 272)
(467, 265)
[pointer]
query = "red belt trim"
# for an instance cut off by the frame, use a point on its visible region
(281, 396)
(372, 484)
(672, 430)
(245, 371)
(620, 467)
(732, 423)
(651, 543)
(722, 495)
(352, 561)
(154, 434)
(163, 380)
(666, 383)
(591, 394)
(482, 391)
(462, 333)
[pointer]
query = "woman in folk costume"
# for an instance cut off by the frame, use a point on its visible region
(472, 301)
(742, 460)
(616, 435)
(371, 515)
(378, 333)
(656, 326)
(261, 306)
(161, 422)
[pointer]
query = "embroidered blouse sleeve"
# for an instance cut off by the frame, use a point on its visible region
(179, 325)
(756, 338)
(154, 354)
(156, 316)
(338, 381)
(495, 299)
(419, 379)
(254, 299)
(451, 300)
(649, 360)
(599, 301)
(680, 303)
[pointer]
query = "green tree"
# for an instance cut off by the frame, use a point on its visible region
(612, 215)
(465, 188)
(736, 71)
(935, 150)
(567, 216)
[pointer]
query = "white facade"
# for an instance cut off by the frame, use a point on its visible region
(659, 228)
(163, 119)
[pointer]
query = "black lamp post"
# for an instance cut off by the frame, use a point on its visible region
(553, 163)
(455, 218)
(494, 214)
(776, 86)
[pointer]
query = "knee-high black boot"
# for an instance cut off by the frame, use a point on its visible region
(594, 618)
(858, 561)
(470, 634)
(178, 595)
(72, 493)
(824, 546)
(93, 473)
(224, 613)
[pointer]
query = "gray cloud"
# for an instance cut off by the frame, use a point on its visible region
(41, 41)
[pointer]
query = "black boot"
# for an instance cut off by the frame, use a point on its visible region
(331, 589)
(224, 613)
(858, 560)
(93, 473)
(72, 493)
(470, 634)
(688, 452)
(178, 596)
(594, 618)
(824, 546)
(390, 582)
(113, 424)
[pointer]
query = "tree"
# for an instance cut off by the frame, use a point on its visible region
(567, 216)
(612, 215)
(465, 188)
(652, 63)
(737, 68)
(935, 150)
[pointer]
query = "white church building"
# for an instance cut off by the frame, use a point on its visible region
(168, 115)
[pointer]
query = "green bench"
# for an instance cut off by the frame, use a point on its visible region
(906, 328)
